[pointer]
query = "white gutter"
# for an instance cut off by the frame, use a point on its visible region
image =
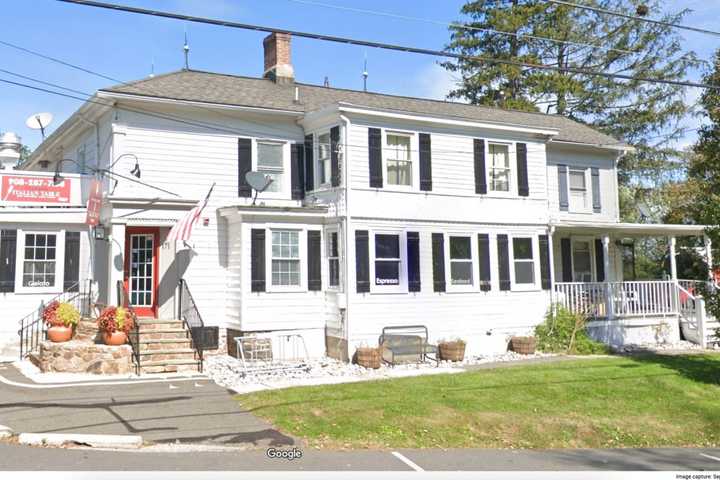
(447, 121)
(609, 146)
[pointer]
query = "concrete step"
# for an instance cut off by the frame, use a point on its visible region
(165, 355)
(167, 366)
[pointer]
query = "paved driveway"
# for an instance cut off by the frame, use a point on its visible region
(194, 411)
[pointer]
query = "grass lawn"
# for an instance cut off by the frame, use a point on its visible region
(647, 401)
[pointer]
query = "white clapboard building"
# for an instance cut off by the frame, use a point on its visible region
(383, 210)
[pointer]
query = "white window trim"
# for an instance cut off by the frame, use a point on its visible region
(512, 155)
(284, 193)
(302, 245)
(525, 287)
(588, 189)
(59, 262)
(328, 235)
(414, 160)
(402, 286)
(317, 185)
(591, 241)
(475, 286)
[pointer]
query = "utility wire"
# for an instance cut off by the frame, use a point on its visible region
(634, 17)
(385, 46)
(458, 25)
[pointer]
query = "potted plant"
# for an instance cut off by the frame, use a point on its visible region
(452, 349)
(115, 323)
(523, 345)
(61, 318)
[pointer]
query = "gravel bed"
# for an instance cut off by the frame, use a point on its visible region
(680, 345)
(228, 371)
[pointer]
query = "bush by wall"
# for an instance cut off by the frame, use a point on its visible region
(564, 332)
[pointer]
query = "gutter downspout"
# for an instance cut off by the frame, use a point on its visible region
(346, 236)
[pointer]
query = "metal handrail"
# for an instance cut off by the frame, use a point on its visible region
(32, 328)
(190, 315)
(134, 334)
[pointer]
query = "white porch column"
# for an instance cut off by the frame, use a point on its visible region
(708, 256)
(116, 266)
(673, 260)
(609, 304)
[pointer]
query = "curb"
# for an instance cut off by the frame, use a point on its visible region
(97, 441)
(5, 432)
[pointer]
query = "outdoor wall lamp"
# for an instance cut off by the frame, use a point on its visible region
(135, 170)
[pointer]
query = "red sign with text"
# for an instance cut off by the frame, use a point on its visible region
(94, 203)
(21, 189)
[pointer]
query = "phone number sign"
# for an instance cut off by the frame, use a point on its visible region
(29, 189)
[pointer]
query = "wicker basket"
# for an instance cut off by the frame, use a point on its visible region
(453, 351)
(523, 345)
(368, 357)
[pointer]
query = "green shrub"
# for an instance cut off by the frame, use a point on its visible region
(564, 332)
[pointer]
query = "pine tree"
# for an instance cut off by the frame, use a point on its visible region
(647, 116)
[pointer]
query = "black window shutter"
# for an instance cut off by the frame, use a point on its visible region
(314, 260)
(375, 157)
(244, 166)
(563, 187)
(8, 247)
(72, 262)
(544, 262)
(413, 255)
(309, 164)
(257, 260)
(599, 260)
(595, 174)
(297, 171)
(425, 162)
(503, 262)
(566, 256)
(438, 257)
(484, 261)
(480, 175)
(335, 156)
(521, 152)
(362, 261)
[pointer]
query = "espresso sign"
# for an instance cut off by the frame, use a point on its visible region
(39, 190)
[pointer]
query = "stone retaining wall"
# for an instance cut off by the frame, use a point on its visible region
(83, 357)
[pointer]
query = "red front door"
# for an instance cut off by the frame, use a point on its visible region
(141, 269)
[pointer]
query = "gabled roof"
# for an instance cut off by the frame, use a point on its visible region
(223, 89)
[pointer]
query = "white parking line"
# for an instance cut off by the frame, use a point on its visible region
(407, 461)
(710, 457)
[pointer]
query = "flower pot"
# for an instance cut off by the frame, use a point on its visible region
(59, 333)
(115, 338)
(523, 345)
(368, 357)
(55, 322)
(452, 351)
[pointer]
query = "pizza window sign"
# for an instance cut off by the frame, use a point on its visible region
(34, 189)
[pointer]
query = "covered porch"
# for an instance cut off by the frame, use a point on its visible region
(595, 275)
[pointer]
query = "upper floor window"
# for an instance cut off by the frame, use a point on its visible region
(398, 159)
(523, 260)
(499, 167)
(270, 162)
(324, 167)
(333, 259)
(286, 258)
(579, 192)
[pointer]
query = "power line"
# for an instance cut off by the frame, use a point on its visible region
(457, 25)
(634, 17)
(385, 46)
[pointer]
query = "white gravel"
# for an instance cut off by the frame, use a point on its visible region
(228, 372)
(680, 345)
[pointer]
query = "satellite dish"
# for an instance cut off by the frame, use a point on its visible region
(258, 181)
(39, 121)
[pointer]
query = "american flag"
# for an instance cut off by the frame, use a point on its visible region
(182, 230)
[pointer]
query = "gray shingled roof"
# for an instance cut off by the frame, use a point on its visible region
(259, 92)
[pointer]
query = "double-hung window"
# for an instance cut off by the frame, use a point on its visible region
(523, 260)
(499, 167)
(387, 259)
(39, 260)
(333, 259)
(461, 262)
(323, 158)
(270, 162)
(286, 258)
(579, 192)
(398, 159)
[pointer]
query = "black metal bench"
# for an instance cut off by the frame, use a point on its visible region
(406, 344)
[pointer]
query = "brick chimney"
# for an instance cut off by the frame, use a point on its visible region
(277, 58)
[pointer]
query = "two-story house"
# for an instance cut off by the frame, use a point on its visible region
(383, 210)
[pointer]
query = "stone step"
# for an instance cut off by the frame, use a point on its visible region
(147, 324)
(168, 366)
(164, 334)
(165, 355)
(163, 344)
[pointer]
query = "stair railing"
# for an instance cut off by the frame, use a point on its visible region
(134, 334)
(190, 315)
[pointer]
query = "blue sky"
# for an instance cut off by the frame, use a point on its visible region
(124, 46)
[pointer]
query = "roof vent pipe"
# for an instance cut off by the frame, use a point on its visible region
(10, 146)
